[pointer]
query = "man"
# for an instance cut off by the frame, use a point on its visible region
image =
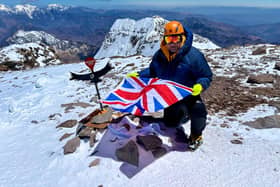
(178, 61)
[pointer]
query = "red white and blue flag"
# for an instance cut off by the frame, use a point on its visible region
(137, 95)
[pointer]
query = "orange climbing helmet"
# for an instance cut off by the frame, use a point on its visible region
(173, 28)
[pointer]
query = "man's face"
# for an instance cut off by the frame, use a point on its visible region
(173, 42)
(173, 47)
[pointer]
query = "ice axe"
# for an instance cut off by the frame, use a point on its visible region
(90, 62)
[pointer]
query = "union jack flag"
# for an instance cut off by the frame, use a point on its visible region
(138, 95)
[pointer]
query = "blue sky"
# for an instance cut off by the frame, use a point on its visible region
(166, 3)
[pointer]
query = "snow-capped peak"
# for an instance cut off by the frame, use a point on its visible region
(26, 8)
(57, 7)
(129, 37)
(5, 8)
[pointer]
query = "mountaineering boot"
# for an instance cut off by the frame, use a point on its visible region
(194, 142)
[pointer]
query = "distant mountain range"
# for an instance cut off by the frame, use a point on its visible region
(90, 26)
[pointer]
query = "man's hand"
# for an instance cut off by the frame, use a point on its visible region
(197, 89)
(132, 74)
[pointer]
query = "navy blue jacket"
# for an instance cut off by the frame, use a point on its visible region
(188, 67)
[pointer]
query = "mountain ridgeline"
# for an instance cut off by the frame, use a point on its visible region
(90, 26)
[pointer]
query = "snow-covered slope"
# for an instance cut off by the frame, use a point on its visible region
(25, 9)
(201, 42)
(34, 102)
(21, 37)
(129, 37)
(68, 51)
(5, 8)
(28, 55)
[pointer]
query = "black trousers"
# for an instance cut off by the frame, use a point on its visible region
(192, 108)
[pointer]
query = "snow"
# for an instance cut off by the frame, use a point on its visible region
(203, 43)
(241, 57)
(57, 7)
(14, 53)
(26, 8)
(133, 37)
(5, 8)
(32, 155)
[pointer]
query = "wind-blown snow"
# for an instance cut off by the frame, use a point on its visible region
(32, 155)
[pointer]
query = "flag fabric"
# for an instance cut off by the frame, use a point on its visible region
(137, 95)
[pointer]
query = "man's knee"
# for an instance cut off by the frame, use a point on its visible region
(199, 110)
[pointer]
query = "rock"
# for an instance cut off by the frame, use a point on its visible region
(92, 139)
(85, 133)
(277, 66)
(158, 152)
(94, 163)
(71, 145)
(265, 123)
(259, 51)
(128, 153)
(260, 79)
(68, 124)
(54, 116)
(149, 142)
(236, 141)
(64, 136)
(34, 121)
(235, 134)
(103, 117)
(224, 125)
(4, 68)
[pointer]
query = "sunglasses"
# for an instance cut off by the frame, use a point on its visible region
(172, 39)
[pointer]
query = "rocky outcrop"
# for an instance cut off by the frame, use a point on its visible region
(27, 56)
(67, 51)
